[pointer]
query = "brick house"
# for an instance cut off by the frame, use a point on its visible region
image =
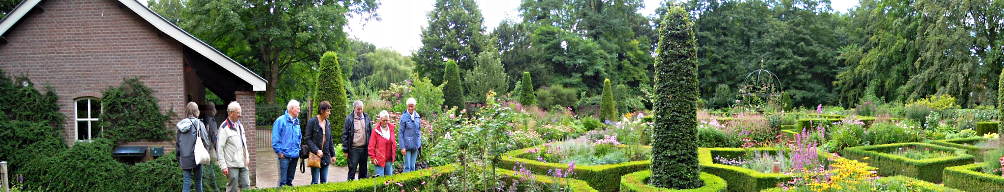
(81, 47)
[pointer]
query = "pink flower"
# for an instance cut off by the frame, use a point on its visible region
(819, 109)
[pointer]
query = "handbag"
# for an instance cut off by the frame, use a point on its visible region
(201, 154)
(313, 161)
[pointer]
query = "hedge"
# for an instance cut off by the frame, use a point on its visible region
(600, 177)
(916, 184)
(415, 179)
(889, 164)
(984, 127)
(970, 178)
(738, 178)
(812, 123)
(965, 143)
(637, 182)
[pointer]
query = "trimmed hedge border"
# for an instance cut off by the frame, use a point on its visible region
(600, 177)
(964, 144)
(919, 184)
(811, 123)
(969, 178)
(738, 178)
(636, 182)
(890, 165)
(415, 179)
(984, 127)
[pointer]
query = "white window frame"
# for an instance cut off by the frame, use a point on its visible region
(91, 122)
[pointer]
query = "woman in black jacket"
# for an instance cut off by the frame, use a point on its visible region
(318, 136)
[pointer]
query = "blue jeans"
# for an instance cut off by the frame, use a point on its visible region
(189, 174)
(287, 168)
(386, 170)
(319, 173)
(410, 156)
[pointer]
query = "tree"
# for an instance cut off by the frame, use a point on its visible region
(269, 41)
(6, 6)
(453, 91)
(130, 112)
(1000, 106)
(674, 156)
(454, 33)
(385, 67)
(487, 75)
(428, 96)
(526, 94)
(608, 106)
(331, 88)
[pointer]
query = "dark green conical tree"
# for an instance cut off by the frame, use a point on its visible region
(526, 95)
(608, 106)
(453, 92)
(331, 88)
(674, 151)
(1000, 105)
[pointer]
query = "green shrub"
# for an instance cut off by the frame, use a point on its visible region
(24, 141)
(590, 123)
(88, 165)
(330, 87)
(967, 144)
(969, 178)
(130, 112)
(453, 91)
(608, 106)
(488, 74)
(674, 155)
(20, 100)
(939, 102)
(600, 177)
(890, 164)
(724, 97)
(813, 123)
(917, 113)
(711, 137)
(637, 181)
(885, 133)
(991, 161)
(526, 92)
(985, 127)
(845, 135)
(557, 95)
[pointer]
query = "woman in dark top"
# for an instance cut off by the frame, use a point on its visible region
(318, 136)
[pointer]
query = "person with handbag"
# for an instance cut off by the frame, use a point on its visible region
(319, 140)
(232, 150)
(383, 146)
(191, 148)
(286, 142)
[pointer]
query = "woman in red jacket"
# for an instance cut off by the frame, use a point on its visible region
(383, 145)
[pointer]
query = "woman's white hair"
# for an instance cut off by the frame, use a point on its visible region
(292, 103)
(233, 106)
(411, 101)
(357, 103)
(384, 114)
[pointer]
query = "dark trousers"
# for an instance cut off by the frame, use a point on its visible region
(358, 159)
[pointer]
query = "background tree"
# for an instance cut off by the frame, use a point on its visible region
(385, 66)
(331, 88)
(487, 75)
(453, 90)
(608, 106)
(674, 156)
(526, 94)
(454, 33)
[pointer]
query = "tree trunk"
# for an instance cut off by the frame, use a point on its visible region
(273, 81)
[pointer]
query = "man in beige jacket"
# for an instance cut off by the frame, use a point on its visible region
(231, 148)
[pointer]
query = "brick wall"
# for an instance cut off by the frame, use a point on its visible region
(81, 47)
(246, 99)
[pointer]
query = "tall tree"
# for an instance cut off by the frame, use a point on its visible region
(270, 36)
(385, 66)
(331, 88)
(453, 92)
(454, 33)
(487, 75)
(608, 106)
(674, 155)
(526, 93)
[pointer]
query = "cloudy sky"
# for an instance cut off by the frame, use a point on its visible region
(401, 21)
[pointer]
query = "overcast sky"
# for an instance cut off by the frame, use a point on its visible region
(401, 21)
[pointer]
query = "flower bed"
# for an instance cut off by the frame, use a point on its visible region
(600, 177)
(888, 164)
(739, 178)
(969, 144)
(970, 178)
(638, 181)
(894, 183)
(417, 180)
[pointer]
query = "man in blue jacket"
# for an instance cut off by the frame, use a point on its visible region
(286, 142)
(409, 135)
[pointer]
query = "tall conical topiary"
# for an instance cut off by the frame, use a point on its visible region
(674, 151)
(526, 95)
(331, 88)
(608, 106)
(1000, 106)
(453, 91)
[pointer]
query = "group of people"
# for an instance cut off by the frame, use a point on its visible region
(226, 146)
(363, 141)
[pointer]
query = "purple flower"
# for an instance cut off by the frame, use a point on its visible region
(819, 109)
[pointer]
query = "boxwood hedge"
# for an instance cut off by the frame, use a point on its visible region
(738, 178)
(984, 127)
(968, 144)
(970, 178)
(637, 181)
(913, 184)
(890, 164)
(600, 177)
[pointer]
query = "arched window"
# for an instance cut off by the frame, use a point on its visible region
(86, 118)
